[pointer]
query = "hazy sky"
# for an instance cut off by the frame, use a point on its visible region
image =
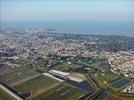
(42, 10)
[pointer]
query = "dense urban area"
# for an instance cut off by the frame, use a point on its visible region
(43, 64)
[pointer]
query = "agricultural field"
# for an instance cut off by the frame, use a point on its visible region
(61, 92)
(5, 96)
(6, 69)
(111, 97)
(127, 98)
(37, 85)
(14, 76)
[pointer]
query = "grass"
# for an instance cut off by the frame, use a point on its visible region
(111, 97)
(57, 93)
(5, 96)
(36, 85)
(105, 78)
(65, 65)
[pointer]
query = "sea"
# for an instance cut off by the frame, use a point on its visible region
(123, 28)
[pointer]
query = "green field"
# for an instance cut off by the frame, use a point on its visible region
(61, 92)
(15, 76)
(37, 85)
(64, 66)
(5, 96)
(105, 78)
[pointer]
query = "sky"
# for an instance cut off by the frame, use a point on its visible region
(87, 10)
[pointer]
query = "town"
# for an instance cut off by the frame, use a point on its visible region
(45, 64)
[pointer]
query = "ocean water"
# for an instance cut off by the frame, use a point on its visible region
(125, 28)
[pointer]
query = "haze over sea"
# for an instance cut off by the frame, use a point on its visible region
(125, 28)
(109, 17)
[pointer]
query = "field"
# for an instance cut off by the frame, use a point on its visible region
(37, 85)
(111, 97)
(127, 98)
(15, 76)
(105, 79)
(5, 96)
(61, 92)
(65, 66)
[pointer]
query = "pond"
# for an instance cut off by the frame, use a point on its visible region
(101, 95)
(119, 83)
